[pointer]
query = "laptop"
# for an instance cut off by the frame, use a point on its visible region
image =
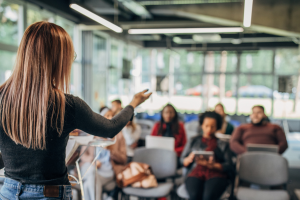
(158, 142)
(263, 147)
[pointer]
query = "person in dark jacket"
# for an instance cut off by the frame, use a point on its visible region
(207, 179)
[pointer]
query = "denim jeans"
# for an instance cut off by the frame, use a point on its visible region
(14, 190)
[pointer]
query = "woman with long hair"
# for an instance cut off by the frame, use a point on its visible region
(227, 128)
(37, 116)
(169, 126)
(209, 177)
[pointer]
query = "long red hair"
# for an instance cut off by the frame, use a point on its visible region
(40, 77)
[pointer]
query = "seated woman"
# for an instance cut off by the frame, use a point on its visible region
(110, 162)
(209, 178)
(169, 126)
(131, 133)
(226, 128)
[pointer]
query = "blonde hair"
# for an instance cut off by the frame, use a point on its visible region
(36, 87)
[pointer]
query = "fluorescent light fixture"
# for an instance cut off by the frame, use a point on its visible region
(96, 18)
(177, 40)
(248, 12)
(186, 30)
(136, 8)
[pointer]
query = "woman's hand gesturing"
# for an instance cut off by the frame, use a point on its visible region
(139, 98)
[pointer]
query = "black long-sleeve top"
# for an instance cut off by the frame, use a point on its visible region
(222, 153)
(48, 167)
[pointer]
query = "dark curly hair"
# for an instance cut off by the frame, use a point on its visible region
(213, 115)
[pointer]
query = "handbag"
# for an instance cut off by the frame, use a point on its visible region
(137, 175)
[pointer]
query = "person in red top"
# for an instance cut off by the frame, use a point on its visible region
(169, 126)
(260, 131)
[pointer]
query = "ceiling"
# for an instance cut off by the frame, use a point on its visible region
(275, 23)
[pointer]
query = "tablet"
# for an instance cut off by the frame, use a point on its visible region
(205, 154)
(223, 137)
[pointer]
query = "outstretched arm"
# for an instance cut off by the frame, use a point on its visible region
(97, 125)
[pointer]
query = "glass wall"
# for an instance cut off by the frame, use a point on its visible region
(287, 64)
(12, 28)
(195, 81)
(9, 19)
(9, 36)
(220, 80)
(98, 78)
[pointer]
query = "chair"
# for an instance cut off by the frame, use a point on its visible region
(191, 129)
(163, 164)
(293, 125)
(182, 192)
(264, 169)
(146, 126)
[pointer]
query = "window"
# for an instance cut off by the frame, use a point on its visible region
(9, 18)
(66, 24)
(162, 61)
(255, 90)
(99, 72)
(185, 61)
(35, 14)
(7, 62)
(287, 61)
(257, 61)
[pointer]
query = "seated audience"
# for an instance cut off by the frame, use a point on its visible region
(111, 161)
(103, 110)
(131, 133)
(259, 131)
(169, 126)
(208, 179)
(116, 105)
(227, 128)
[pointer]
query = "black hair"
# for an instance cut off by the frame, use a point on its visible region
(102, 108)
(259, 106)
(174, 122)
(118, 101)
(213, 115)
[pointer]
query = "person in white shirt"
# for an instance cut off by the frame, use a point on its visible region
(131, 133)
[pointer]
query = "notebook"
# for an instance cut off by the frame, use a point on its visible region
(74, 142)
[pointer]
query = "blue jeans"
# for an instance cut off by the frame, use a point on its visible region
(13, 189)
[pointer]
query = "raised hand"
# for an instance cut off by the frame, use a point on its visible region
(139, 98)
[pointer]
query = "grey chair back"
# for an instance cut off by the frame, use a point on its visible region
(191, 129)
(163, 162)
(263, 168)
(146, 126)
(293, 125)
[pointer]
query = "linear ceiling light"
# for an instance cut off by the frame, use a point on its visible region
(248, 12)
(186, 30)
(96, 18)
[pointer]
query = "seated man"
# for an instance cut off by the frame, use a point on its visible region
(260, 131)
(116, 105)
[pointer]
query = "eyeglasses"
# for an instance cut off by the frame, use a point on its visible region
(75, 56)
